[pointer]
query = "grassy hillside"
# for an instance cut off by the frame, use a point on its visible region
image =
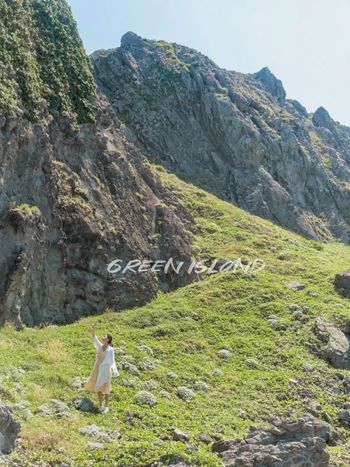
(185, 329)
(44, 68)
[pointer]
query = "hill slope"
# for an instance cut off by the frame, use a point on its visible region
(183, 331)
(234, 135)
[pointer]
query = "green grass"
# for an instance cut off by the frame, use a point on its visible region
(185, 329)
(44, 68)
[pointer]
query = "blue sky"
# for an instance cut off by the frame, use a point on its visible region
(304, 42)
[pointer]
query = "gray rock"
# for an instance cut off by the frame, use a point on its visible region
(77, 383)
(165, 394)
(294, 285)
(179, 435)
(172, 375)
(146, 349)
(185, 393)
(9, 429)
(146, 365)
(336, 350)
(55, 408)
(130, 383)
(308, 367)
(201, 386)
(130, 368)
(344, 418)
(98, 433)
(83, 171)
(342, 282)
(205, 438)
(224, 353)
(287, 443)
(150, 385)
(252, 363)
(94, 446)
(271, 83)
(146, 398)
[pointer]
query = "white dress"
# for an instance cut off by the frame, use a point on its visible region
(100, 378)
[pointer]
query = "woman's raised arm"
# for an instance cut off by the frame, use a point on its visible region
(97, 344)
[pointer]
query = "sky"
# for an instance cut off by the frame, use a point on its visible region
(305, 43)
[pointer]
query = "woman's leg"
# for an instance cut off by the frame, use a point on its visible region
(106, 399)
(100, 398)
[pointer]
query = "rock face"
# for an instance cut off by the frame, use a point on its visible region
(296, 443)
(72, 201)
(235, 135)
(9, 430)
(73, 197)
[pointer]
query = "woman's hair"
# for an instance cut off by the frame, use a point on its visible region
(110, 338)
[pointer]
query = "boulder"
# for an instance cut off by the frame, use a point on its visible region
(342, 283)
(224, 353)
(336, 350)
(185, 393)
(55, 408)
(179, 435)
(84, 404)
(9, 429)
(146, 398)
(293, 443)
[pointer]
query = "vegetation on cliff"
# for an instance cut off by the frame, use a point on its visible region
(43, 66)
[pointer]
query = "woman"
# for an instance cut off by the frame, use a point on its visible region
(100, 378)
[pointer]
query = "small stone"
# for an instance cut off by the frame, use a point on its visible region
(293, 307)
(172, 375)
(118, 351)
(146, 398)
(252, 363)
(94, 446)
(313, 293)
(130, 368)
(146, 349)
(130, 383)
(298, 315)
(294, 285)
(201, 386)
(308, 367)
(146, 365)
(273, 323)
(224, 353)
(165, 394)
(205, 438)
(185, 393)
(150, 385)
(217, 372)
(77, 383)
(179, 435)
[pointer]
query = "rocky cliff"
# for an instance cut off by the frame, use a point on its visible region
(74, 193)
(235, 135)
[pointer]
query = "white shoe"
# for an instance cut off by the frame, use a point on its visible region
(101, 409)
(104, 409)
